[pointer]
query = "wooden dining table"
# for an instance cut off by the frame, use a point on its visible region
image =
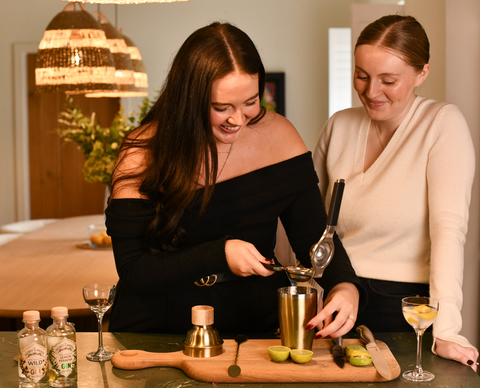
(48, 267)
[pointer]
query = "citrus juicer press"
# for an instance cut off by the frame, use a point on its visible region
(322, 252)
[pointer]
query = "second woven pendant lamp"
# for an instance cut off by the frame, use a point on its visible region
(139, 73)
(74, 55)
(124, 70)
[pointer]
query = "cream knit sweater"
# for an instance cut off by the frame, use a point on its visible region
(405, 218)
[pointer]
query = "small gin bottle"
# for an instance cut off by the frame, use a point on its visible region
(62, 350)
(32, 347)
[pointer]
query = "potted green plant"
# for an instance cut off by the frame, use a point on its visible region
(99, 145)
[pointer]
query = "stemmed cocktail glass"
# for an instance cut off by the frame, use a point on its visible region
(420, 312)
(99, 297)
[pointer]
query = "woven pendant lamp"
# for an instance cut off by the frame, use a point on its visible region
(124, 71)
(139, 73)
(126, 1)
(74, 55)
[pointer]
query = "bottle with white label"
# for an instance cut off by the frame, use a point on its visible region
(62, 350)
(32, 347)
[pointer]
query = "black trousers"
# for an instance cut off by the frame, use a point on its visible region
(383, 311)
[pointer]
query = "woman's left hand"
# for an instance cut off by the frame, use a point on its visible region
(343, 299)
(453, 351)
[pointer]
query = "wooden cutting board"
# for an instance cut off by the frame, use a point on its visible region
(256, 365)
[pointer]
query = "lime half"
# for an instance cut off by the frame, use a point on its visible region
(356, 350)
(301, 356)
(360, 360)
(278, 353)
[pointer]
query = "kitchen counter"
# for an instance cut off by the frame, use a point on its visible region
(103, 375)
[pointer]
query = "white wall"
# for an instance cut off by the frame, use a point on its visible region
(431, 14)
(463, 89)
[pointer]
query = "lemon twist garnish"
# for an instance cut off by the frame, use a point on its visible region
(423, 308)
(411, 320)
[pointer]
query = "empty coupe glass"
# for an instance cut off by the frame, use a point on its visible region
(99, 297)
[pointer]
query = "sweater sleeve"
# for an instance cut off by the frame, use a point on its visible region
(144, 271)
(450, 173)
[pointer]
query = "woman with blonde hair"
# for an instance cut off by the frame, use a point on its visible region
(409, 164)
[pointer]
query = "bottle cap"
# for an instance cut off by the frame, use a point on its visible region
(59, 311)
(31, 315)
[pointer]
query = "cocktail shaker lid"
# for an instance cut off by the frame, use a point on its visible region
(202, 315)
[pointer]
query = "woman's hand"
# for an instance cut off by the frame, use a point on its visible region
(343, 299)
(244, 259)
(453, 351)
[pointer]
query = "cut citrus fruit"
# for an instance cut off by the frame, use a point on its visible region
(278, 353)
(356, 350)
(423, 312)
(423, 308)
(411, 320)
(360, 360)
(301, 356)
(429, 316)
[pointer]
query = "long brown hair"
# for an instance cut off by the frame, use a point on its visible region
(182, 140)
(404, 36)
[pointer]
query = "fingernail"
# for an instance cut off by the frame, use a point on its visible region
(318, 336)
(470, 362)
(309, 327)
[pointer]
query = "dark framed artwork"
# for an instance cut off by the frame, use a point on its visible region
(274, 96)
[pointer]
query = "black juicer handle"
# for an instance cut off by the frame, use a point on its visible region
(336, 201)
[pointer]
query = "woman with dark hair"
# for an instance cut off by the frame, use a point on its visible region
(409, 164)
(197, 193)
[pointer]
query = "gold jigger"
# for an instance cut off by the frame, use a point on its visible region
(202, 339)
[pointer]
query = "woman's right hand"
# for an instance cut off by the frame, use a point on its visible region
(244, 259)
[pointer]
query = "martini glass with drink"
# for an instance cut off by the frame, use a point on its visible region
(419, 312)
(99, 297)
